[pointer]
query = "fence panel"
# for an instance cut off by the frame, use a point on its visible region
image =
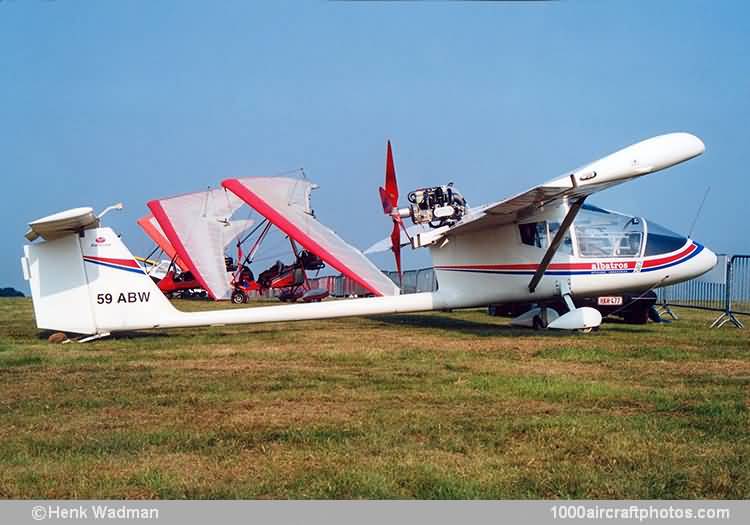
(707, 292)
(426, 280)
(739, 284)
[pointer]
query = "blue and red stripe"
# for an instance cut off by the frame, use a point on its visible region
(583, 268)
(129, 265)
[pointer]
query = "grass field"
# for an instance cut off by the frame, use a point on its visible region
(439, 405)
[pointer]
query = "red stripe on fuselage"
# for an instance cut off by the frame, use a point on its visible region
(130, 263)
(664, 260)
(554, 266)
(629, 265)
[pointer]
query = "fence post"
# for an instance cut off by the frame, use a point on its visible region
(666, 309)
(728, 315)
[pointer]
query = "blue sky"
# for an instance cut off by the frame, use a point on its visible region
(126, 101)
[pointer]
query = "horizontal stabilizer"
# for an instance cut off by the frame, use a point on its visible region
(60, 224)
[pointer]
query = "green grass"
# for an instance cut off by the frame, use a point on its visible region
(440, 405)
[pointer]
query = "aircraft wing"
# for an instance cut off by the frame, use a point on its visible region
(285, 202)
(150, 226)
(197, 225)
(640, 159)
(386, 244)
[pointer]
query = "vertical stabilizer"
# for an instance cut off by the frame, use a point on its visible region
(59, 288)
(121, 295)
(89, 283)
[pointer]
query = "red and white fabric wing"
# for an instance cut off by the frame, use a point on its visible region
(151, 227)
(285, 202)
(197, 225)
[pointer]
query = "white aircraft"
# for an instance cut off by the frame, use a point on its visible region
(539, 246)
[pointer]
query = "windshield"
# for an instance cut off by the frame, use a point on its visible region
(661, 240)
(603, 233)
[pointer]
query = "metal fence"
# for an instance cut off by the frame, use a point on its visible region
(724, 289)
(414, 281)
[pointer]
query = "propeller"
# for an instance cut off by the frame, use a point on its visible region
(389, 198)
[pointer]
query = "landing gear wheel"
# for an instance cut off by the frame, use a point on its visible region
(586, 330)
(537, 323)
(239, 297)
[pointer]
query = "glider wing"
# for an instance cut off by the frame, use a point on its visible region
(640, 159)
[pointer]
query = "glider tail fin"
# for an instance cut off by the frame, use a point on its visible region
(89, 283)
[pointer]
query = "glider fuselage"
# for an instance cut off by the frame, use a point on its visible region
(496, 265)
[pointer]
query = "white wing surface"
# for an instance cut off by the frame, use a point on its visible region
(199, 228)
(640, 159)
(285, 202)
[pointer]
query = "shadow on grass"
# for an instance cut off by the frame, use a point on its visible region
(625, 328)
(482, 329)
(464, 326)
(44, 334)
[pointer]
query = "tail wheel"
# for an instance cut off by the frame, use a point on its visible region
(238, 297)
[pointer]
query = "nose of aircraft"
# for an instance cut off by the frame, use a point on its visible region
(704, 262)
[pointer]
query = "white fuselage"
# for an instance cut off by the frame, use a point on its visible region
(91, 284)
(495, 266)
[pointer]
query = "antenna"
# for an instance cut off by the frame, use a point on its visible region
(700, 208)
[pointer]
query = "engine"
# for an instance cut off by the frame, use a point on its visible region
(437, 206)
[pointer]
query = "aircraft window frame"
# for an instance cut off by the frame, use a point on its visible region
(540, 237)
(608, 244)
(543, 233)
(567, 245)
(662, 240)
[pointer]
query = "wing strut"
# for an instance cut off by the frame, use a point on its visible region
(564, 227)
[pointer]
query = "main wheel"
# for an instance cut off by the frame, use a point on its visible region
(537, 323)
(239, 297)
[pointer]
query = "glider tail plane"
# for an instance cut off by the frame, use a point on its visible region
(90, 283)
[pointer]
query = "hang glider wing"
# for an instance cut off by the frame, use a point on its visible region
(150, 226)
(285, 202)
(198, 227)
(627, 164)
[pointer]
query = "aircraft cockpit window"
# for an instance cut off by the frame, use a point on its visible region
(566, 246)
(661, 240)
(540, 234)
(534, 234)
(603, 233)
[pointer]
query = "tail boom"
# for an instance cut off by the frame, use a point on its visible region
(89, 283)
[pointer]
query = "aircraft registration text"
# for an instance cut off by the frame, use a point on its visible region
(123, 297)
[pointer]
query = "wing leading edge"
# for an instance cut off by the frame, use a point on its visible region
(285, 202)
(640, 159)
